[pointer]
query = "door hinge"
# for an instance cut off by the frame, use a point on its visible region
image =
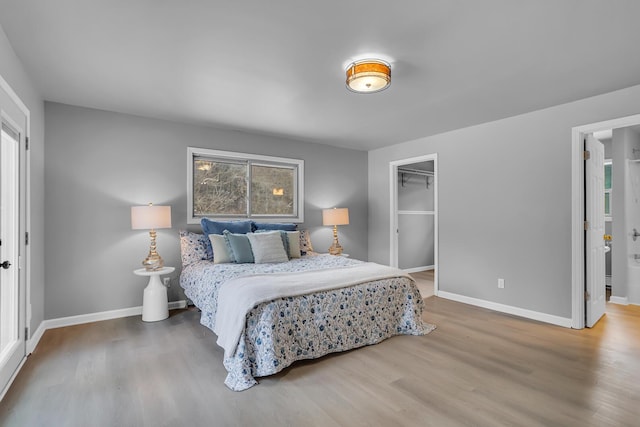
(586, 225)
(587, 295)
(26, 140)
(26, 334)
(586, 155)
(26, 238)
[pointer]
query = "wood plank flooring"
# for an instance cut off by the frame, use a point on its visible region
(424, 281)
(479, 368)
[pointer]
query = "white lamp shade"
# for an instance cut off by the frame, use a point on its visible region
(150, 217)
(335, 216)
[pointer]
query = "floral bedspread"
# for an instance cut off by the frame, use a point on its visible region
(284, 330)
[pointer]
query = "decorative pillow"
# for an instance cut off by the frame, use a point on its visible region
(239, 247)
(217, 227)
(274, 226)
(221, 254)
(293, 241)
(210, 226)
(305, 242)
(283, 236)
(267, 247)
(193, 247)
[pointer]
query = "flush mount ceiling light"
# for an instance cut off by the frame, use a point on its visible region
(368, 76)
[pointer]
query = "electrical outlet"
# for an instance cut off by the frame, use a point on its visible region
(501, 283)
(167, 282)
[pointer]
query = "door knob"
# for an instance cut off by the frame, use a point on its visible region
(5, 265)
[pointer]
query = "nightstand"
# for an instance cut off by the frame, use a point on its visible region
(154, 302)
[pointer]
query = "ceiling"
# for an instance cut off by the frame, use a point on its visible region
(278, 67)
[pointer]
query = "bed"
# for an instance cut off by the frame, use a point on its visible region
(308, 323)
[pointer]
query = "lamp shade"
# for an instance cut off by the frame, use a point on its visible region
(150, 217)
(335, 216)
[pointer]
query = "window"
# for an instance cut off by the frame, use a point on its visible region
(228, 185)
(607, 189)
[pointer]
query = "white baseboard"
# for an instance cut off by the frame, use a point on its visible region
(529, 314)
(417, 269)
(88, 318)
(619, 300)
(33, 341)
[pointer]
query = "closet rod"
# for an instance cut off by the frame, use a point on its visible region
(415, 171)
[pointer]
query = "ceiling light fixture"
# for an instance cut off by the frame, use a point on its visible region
(368, 76)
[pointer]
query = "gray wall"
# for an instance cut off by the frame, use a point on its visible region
(414, 194)
(607, 148)
(504, 191)
(416, 238)
(98, 164)
(11, 70)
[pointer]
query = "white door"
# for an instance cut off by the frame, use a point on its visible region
(594, 188)
(12, 222)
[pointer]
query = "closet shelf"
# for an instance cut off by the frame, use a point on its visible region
(409, 171)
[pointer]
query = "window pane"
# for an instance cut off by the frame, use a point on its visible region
(607, 177)
(272, 190)
(219, 188)
(222, 185)
(607, 204)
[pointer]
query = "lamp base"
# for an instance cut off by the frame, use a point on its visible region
(153, 262)
(335, 249)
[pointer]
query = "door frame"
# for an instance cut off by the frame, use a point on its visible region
(578, 209)
(24, 262)
(393, 211)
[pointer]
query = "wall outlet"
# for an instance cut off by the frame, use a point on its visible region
(500, 283)
(167, 282)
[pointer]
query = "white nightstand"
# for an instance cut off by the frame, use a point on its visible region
(154, 302)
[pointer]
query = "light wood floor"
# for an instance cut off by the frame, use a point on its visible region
(479, 368)
(424, 281)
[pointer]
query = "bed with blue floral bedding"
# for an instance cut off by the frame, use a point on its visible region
(306, 326)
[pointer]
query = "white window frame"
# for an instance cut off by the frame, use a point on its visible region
(296, 164)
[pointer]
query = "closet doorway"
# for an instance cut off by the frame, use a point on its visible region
(414, 216)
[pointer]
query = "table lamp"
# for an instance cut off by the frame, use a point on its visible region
(150, 218)
(335, 217)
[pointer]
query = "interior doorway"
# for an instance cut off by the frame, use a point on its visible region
(588, 279)
(414, 218)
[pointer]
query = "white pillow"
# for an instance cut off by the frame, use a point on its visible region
(294, 243)
(221, 253)
(267, 247)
